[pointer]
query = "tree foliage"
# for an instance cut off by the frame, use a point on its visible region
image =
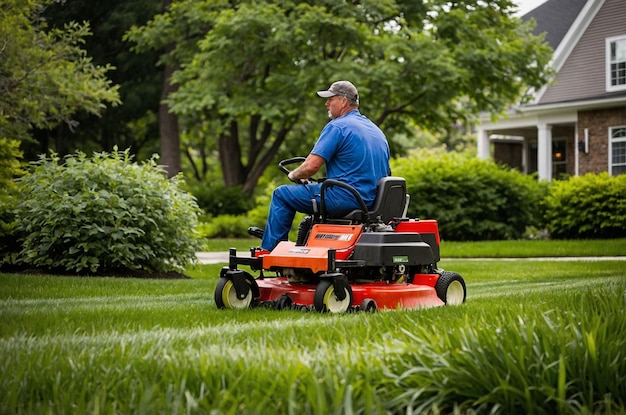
(132, 124)
(249, 69)
(10, 169)
(45, 74)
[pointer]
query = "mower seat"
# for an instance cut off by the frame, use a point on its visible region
(391, 202)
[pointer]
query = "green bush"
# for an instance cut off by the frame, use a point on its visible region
(105, 214)
(226, 226)
(472, 199)
(216, 199)
(592, 206)
(9, 170)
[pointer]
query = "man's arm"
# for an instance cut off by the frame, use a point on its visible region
(308, 168)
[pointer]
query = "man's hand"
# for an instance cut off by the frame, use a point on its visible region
(308, 168)
(292, 177)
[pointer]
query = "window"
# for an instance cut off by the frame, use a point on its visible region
(559, 158)
(616, 63)
(617, 154)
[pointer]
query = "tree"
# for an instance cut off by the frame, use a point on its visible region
(131, 125)
(45, 75)
(168, 121)
(249, 69)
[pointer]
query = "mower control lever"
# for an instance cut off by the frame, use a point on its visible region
(287, 162)
(293, 160)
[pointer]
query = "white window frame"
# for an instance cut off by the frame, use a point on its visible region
(613, 140)
(609, 86)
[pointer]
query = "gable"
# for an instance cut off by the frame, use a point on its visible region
(582, 74)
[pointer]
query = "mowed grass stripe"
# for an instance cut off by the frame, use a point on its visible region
(189, 346)
(484, 289)
(290, 325)
(185, 335)
(513, 288)
(109, 303)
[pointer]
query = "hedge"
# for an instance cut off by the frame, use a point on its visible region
(592, 206)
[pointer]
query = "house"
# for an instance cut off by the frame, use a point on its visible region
(577, 124)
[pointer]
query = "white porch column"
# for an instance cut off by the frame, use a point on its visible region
(544, 152)
(482, 143)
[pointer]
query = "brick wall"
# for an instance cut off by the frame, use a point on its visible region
(598, 123)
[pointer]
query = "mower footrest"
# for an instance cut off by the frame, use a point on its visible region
(349, 263)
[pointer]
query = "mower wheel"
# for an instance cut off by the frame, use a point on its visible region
(226, 296)
(368, 305)
(284, 302)
(451, 288)
(326, 299)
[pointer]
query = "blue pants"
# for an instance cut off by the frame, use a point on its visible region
(289, 199)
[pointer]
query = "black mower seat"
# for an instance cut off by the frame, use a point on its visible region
(391, 202)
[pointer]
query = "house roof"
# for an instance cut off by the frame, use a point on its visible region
(555, 18)
(577, 30)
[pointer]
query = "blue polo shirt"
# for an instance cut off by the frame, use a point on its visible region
(356, 152)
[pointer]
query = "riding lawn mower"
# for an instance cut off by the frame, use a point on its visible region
(363, 261)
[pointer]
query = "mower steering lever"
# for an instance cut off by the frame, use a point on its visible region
(286, 162)
(293, 160)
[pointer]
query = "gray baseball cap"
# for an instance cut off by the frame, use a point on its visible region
(341, 88)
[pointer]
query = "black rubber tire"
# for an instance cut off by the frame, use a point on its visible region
(325, 300)
(303, 230)
(226, 297)
(451, 288)
(284, 302)
(368, 305)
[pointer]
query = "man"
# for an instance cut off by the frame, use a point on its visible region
(355, 152)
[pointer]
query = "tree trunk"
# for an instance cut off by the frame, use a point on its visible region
(260, 155)
(168, 128)
(230, 156)
(168, 122)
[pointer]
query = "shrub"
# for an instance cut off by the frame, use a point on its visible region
(589, 206)
(105, 214)
(226, 226)
(9, 170)
(216, 199)
(472, 199)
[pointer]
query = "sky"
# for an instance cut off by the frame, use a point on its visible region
(527, 5)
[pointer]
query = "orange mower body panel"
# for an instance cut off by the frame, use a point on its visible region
(314, 255)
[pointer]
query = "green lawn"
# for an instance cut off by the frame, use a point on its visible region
(534, 248)
(533, 337)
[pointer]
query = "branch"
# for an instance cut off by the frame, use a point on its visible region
(399, 109)
(268, 155)
(196, 173)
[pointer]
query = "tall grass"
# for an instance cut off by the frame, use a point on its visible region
(534, 337)
(521, 358)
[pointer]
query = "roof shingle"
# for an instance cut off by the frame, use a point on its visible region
(555, 17)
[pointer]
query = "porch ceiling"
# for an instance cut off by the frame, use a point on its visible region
(527, 132)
